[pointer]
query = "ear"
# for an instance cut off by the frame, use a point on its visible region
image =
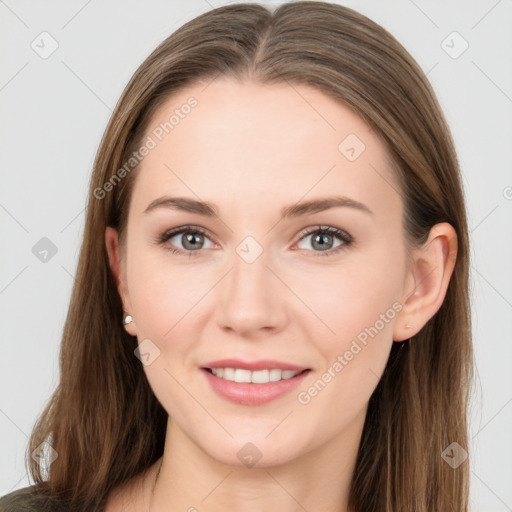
(118, 268)
(427, 280)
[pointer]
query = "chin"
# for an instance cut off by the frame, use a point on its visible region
(252, 452)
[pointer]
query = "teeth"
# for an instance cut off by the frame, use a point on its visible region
(242, 375)
(275, 375)
(228, 373)
(256, 377)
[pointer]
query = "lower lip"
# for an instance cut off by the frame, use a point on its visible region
(245, 393)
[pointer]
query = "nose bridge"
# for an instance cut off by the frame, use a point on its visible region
(250, 299)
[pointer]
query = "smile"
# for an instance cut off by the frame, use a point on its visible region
(255, 377)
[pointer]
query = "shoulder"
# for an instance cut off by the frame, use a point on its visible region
(26, 499)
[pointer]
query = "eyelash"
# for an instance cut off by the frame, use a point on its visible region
(324, 230)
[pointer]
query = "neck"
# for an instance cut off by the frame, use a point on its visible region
(188, 478)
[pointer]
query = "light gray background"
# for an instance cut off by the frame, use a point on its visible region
(54, 112)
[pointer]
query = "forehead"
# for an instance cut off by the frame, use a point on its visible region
(224, 139)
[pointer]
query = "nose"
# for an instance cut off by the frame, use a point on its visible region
(252, 300)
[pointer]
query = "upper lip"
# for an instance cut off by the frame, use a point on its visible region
(263, 364)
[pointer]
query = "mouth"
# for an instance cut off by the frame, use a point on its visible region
(243, 386)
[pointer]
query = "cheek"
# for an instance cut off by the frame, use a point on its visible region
(162, 292)
(361, 311)
(352, 296)
(357, 304)
(166, 304)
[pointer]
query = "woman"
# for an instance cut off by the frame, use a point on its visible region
(210, 359)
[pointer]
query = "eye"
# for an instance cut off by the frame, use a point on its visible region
(323, 239)
(191, 239)
(185, 240)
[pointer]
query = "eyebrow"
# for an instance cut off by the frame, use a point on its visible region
(295, 210)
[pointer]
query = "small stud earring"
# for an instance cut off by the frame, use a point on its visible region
(127, 319)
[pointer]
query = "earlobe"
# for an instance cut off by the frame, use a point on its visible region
(129, 324)
(427, 280)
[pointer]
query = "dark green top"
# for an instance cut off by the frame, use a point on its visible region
(32, 499)
(23, 500)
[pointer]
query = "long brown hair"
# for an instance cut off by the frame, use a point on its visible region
(104, 421)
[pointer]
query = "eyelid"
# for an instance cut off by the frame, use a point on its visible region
(322, 228)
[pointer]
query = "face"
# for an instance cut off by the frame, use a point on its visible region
(318, 288)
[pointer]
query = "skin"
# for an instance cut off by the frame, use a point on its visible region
(251, 150)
